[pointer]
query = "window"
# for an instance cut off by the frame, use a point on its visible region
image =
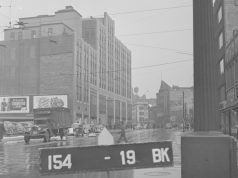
(222, 93)
(219, 14)
(33, 34)
(220, 40)
(12, 36)
(19, 35)
(213, 2)
(50, 31)
(222, 66)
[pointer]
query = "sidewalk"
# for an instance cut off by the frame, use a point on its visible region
(12, 139)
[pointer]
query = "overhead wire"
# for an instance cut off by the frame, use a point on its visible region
(157, 47)
(147, 33)
(133, 68)
(157, 32)
(149, 10)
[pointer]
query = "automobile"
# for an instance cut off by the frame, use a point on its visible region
(168, 126)
(138, 127)
(92, 134)
(36, 132)
(98, 128)
(77, 129)
(70, 131)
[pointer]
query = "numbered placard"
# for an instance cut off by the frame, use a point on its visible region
(104, 158)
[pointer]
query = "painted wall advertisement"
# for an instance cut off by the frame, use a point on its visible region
(50, 101)
(14, 104)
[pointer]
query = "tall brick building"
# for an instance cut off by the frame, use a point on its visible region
(67, 54)
(225, 15)
(174, 105)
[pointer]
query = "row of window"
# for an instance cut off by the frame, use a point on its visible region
(219, 16)
(33, 34)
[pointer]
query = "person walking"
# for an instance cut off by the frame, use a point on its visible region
(123, 133)
(2, 130)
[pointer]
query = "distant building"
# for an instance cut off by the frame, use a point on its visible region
(141, 109)
(174, 105)
(181, 105)
(141, 113)
(67, 54)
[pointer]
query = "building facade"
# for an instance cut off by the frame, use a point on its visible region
(215, 23)
(225, 14)
(67, 54)
(229, 106)
(174, 106)
(141, 114)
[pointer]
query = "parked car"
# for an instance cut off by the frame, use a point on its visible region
(77, 129)
(168, 126)
(99, 128)
(70, 131)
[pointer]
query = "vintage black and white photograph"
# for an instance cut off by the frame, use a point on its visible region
(118, 88)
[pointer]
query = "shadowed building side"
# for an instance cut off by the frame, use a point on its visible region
(205, 81)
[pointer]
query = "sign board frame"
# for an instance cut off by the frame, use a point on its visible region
(14, 104)
(68, 160)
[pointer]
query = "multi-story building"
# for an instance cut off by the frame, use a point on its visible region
(229, 106)
(215, 22)
(174, 105)
(141, 113)
(67, 54)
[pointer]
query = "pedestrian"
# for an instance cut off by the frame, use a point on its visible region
(2, 130)
(3, 105)
(123, 133)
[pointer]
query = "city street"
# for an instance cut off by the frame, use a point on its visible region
(18, 160)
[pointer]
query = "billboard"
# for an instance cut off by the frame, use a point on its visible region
(14, 104)
(50, 101)
(15, 128)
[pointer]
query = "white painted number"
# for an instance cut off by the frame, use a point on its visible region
(128, 158)
(67, 161)
(55, 162)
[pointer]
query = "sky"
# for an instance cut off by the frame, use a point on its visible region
(158, 33)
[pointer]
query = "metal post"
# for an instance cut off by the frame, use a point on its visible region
(183, 114)
(229, 121)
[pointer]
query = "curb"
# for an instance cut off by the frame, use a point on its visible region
(12, 139)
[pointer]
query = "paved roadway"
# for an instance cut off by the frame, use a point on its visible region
(18, 160)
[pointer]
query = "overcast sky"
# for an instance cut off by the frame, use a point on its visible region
(158, 33)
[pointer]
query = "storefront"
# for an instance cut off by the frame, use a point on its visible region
(229, 118)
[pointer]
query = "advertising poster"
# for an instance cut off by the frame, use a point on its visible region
(16, 128)
(14, 104)
(50, 101)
